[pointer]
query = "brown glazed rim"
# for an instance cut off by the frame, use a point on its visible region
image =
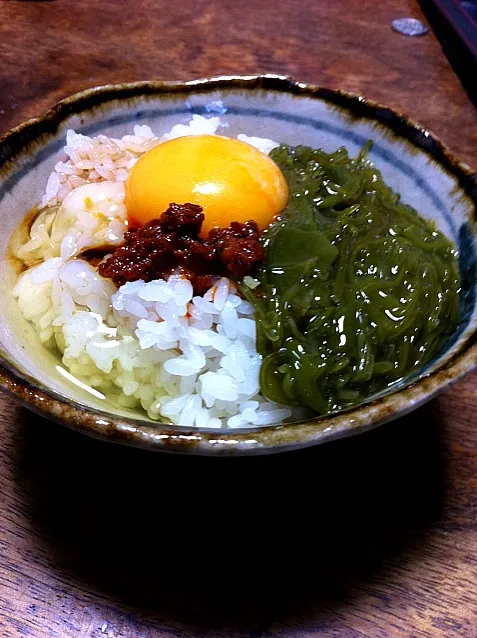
(266, 439)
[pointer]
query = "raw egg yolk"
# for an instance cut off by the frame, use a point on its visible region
(231, 180)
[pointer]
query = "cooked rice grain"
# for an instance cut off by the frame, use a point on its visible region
(189, 359)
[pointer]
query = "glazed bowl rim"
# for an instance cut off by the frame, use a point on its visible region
(263, 439)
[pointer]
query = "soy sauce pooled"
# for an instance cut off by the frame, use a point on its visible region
(357, 291)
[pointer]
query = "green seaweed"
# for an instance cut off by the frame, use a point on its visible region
(357, 291)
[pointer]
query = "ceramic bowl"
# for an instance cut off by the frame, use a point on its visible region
(410, 158)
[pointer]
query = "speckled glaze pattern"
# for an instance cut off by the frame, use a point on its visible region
(412, 160)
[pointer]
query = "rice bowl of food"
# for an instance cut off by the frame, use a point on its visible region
(232, 266)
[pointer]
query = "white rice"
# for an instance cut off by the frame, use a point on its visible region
(191, 360)
(107, 158)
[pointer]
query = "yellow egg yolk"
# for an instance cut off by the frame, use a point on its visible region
(231, 180)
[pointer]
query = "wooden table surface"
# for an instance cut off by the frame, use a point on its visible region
(374, 536)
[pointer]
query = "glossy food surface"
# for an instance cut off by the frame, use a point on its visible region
(358, 291)
(231, 180)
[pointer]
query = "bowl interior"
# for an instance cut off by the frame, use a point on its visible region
(286, 117)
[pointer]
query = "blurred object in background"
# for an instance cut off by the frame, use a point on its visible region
(409, 26)
(455, 24)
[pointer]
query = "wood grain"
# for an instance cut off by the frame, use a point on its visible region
(375, 536)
